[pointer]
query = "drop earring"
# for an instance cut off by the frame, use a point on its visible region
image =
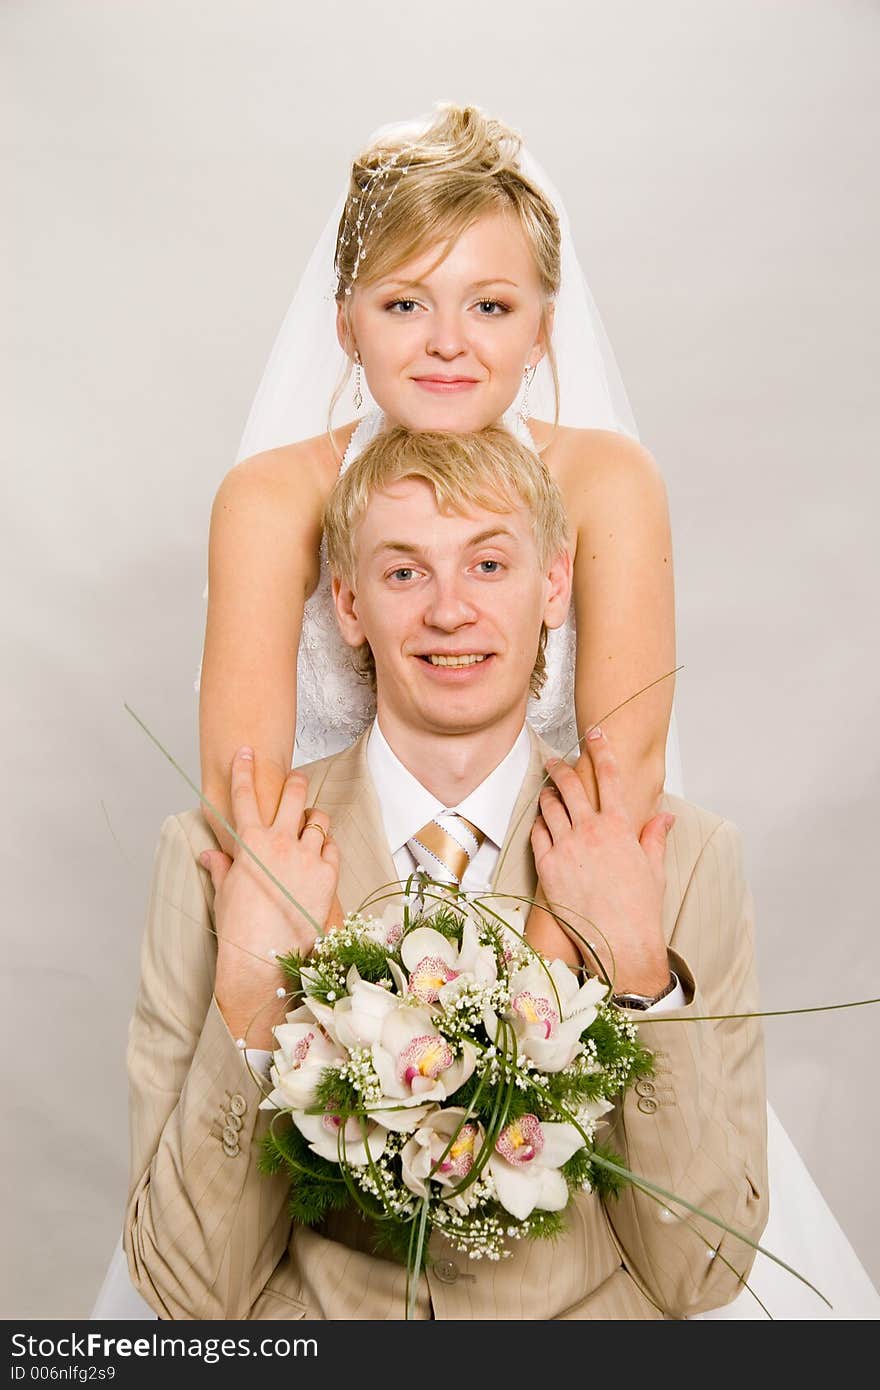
(358, 392)
(528, 375)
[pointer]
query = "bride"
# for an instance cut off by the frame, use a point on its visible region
(458, 300)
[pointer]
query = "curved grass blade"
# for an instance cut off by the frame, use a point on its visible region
(414, 1263)
(764, 1013)
(576, 748)
(645, 1185)
(226, 826)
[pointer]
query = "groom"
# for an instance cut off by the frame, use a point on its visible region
(450, 563)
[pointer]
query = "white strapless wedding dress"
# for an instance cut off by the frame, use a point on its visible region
(334, 709)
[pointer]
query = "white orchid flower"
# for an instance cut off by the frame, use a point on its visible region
(323, 1133)
(525, 1165)
(430, 1141)
(507, 919)
(435, 963)
(388, 929)
(358, 1017)
(303, 1051)
(549, 1011)
(415, 1064)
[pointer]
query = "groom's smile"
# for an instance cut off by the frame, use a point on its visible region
(458, 670)
(448, 662)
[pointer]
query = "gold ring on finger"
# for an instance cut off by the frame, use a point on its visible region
(313, 825)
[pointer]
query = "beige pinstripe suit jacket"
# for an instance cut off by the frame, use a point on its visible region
(208, 1237)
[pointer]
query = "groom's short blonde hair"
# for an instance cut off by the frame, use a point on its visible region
(489, 469)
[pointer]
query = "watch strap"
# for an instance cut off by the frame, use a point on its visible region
(629, 1000)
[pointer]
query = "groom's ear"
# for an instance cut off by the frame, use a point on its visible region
(345, 600)
(558, 581)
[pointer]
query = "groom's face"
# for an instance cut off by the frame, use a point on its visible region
(452, 607)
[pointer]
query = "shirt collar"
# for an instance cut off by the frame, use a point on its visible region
(406, 805)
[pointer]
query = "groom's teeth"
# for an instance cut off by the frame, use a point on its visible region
(455, 660)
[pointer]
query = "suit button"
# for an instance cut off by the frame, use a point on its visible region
(647, 1105)
(238, 1104)
(645, 1088)
(230, 1150)
(446, 1271)
(233, 1121)
(230, 1136)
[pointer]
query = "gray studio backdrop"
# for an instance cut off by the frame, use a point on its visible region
(170, 164)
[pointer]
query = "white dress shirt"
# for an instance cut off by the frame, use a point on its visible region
(406, 806)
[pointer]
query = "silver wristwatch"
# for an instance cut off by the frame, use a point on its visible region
(644, 1001)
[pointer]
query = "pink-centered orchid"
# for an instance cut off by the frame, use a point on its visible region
(386, 930)
(439, 969)
(415, 1064)
(549, 1011)
(330, 1137)
(303, 1051)
(525, 1165)
(433, 1155)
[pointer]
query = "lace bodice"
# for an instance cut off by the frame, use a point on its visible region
(334, 705)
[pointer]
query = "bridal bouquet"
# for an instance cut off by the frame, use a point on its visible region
(439, 1074)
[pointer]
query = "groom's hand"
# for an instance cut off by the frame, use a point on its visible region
(255, 920)
(603, 880)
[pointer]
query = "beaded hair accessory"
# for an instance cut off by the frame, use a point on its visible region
(372, 204)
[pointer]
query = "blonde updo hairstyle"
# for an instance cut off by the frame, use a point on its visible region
(461, 168)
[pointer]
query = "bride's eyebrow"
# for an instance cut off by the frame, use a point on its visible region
(392, 283)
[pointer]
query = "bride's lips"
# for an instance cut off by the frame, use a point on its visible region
(445, 385)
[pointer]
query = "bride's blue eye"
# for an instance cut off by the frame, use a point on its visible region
(397, 303)
(493, 304)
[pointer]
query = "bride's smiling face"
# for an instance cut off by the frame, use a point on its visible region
(444, 346)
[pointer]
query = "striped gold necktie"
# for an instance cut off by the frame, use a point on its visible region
(445, 846)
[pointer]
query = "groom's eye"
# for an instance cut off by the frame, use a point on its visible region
(489, 566)
(403, 574)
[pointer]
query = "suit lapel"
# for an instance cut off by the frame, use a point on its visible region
(515, 874)
(347, 794)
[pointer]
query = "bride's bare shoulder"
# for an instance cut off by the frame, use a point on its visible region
(298, 472)
(585, 457)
